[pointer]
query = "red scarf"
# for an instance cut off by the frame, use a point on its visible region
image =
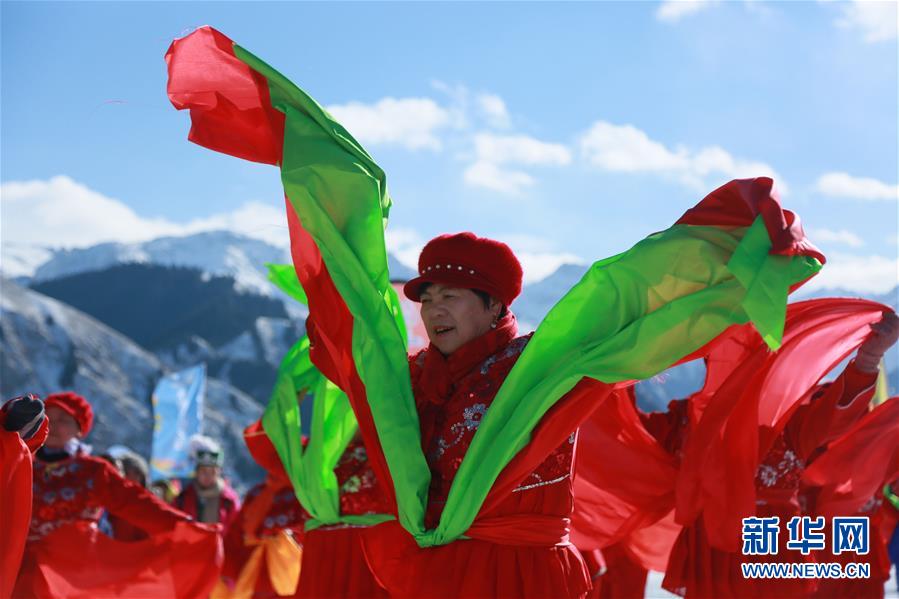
(437, 380)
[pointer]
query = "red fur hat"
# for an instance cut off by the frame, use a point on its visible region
(76, 406)
(470, 262)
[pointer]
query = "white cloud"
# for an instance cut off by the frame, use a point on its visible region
(844, 185)
(827, 236)
(405, 244)
(877, 21)
(412, 123)
(491, 176)
(625, 148)
(672, 11)
(459, 104)
(539, 256)
(254, 219)
(61, 212)
(64, 213)
(470, 109)
(494, 110)
(863, 274)
(494, 151)
(519, 149)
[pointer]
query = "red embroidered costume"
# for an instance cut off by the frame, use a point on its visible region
(263, 540)
(334, 564)
(71, 490)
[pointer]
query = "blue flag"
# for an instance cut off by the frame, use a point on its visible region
(178, 415)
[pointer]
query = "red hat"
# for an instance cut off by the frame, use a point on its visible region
(470, 262)
(76, 406)
(262, 449)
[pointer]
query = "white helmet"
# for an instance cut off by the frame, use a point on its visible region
(205, 451)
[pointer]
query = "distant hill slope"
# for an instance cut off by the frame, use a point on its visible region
(160, 307)
(222, 253)
(48, 346)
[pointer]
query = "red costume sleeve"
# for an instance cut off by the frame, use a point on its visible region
(15, 506)
(236, 551)
(833, 412)
(855, 467)
(667, 427)
(630, 487)
(751, 407)
(230, 507)
(134, 503)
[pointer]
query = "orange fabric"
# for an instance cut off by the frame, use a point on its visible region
(268, 525)
(278, 558)
(284, 558)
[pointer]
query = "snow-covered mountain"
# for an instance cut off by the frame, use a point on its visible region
(248, 362)
(214, 252)
(537, 298)
(48, 346)
(19, 261)
(185, 316)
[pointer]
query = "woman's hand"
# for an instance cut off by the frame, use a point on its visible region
(884, 334)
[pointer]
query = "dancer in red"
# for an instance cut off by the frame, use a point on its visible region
(701, 563)
(848, 478)
(474, 345)
(23, 429)
(263, 545)
(632, 492)
(473, 452)
(71, 489)
(334, 564)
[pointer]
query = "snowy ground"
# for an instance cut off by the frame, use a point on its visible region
(654, 588)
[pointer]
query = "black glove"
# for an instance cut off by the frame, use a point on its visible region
(21, 411)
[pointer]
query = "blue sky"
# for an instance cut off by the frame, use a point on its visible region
(569, 130)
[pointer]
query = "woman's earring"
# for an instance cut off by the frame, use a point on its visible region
(493, 325)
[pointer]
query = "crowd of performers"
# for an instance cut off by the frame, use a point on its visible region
(489, 464)
(612, 485)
